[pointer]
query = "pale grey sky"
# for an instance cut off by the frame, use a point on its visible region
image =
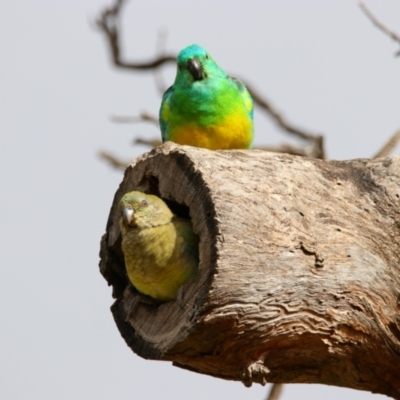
(322, 63)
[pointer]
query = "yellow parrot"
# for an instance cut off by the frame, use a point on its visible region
(160, 249)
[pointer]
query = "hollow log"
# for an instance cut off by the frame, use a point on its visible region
(299, 277)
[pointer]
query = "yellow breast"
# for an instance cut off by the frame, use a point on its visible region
(234, 132)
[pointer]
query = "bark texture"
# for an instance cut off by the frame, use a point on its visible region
(299, 268)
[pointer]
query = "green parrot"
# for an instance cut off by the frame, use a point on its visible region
(205, 107)
(160, 249)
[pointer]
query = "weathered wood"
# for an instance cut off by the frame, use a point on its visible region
(299, 268)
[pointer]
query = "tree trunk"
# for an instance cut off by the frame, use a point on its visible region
(299, 268)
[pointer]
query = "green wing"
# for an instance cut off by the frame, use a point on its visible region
(245, 94)
(164, 111)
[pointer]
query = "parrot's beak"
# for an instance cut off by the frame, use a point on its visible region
(127, 214)
(196, 69)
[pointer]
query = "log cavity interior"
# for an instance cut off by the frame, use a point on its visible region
(152, 184)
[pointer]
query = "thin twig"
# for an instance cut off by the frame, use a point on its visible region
(142, 117)
(283, 148)
(148, 142)
(393, 141)
(267, 106)
(112, 160)
(389, 146)
(286, 148)
(108, 23)
(275, 391)
(116, 162)
(379, 24)
(316, 139)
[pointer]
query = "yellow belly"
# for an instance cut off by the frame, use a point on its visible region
(233, 133)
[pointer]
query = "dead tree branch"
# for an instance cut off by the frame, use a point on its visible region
(115, 162)
(305, 151)
(299, 268)
(379, 25)
(152, 143)
(317, 140)
(108, 23)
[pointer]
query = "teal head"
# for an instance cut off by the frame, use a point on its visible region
(196, 64)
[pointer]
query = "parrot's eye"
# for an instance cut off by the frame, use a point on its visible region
(144, 203)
